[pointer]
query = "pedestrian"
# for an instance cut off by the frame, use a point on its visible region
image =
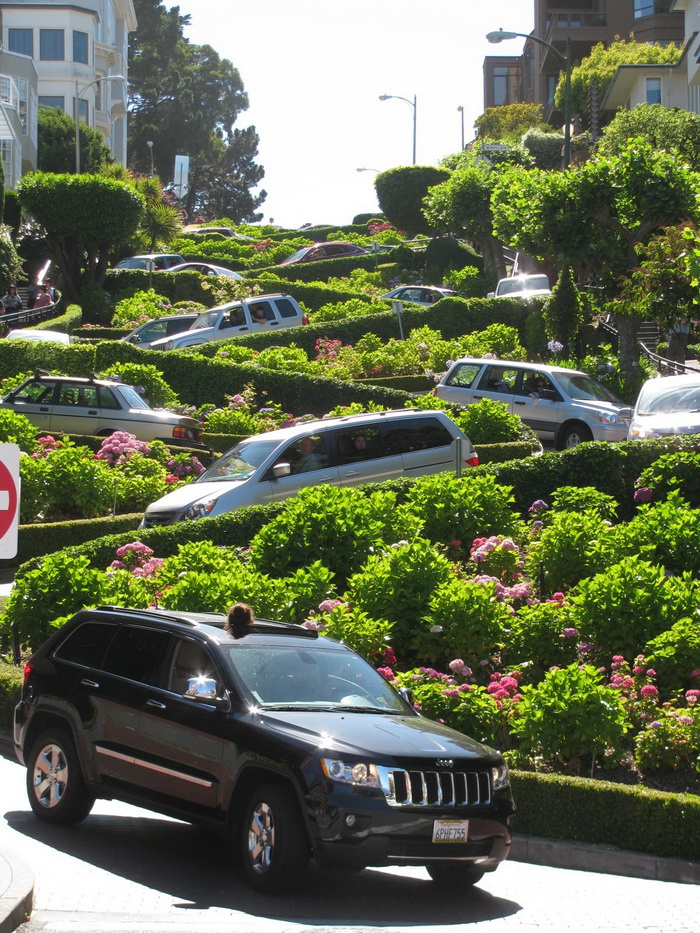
(239, 620)
(43, 299)
(11, 301)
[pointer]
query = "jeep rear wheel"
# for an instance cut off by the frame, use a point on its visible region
(55, 786)
(274, 844)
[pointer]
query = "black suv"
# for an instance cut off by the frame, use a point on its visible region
(289, 744)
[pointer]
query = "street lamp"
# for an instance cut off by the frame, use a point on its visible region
(460, 110)
(149, 143)
(500, 36)
(413, 104)
(78, 95)
(367, 170)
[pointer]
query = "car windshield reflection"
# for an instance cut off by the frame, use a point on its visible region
(296, 678)
(240, 462)
(686, 398)
(582, 387)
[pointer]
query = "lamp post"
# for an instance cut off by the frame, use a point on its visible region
(501, 36)
(460, 110)
(150, 149)
(78, 95)
(410, 103)
(367, 170)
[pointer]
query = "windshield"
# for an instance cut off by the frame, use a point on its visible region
(582, 387)
(207, 319)
(240, 462)
(517, 284)
(299, 678)
(299, 253)
(132, 397)
(657, 398)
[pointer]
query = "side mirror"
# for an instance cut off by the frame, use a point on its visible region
(406, 694)
(281, 469)
(203, 690)
(491, 294)
(626, 413)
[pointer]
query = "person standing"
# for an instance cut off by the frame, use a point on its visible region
(11, 301)
(43, 299)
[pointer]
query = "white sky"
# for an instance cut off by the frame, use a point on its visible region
(314, 70)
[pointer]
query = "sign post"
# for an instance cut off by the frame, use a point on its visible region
(9, 499)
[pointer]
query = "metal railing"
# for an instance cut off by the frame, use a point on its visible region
(29, 315)
(665, 367)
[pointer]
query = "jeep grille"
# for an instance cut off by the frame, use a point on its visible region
(436, 788)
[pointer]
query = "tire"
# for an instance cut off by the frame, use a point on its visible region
(55, 786)
(454, 874)
(574, 434)
(274, 845)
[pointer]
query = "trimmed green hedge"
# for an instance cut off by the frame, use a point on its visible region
(11, 678)
(637, 819)
(326, 269)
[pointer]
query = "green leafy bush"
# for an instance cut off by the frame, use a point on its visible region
(675, 654)
(562, 553)
(583, 499)
(354, 627)
(148, 377)
(16, 429)
(539, 637)
(674, 472)
(464, 620)
(670, 742)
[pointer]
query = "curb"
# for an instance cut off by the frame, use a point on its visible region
(17, 897)
(587, 857)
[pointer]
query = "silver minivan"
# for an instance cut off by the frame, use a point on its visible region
(341, 451)
(562, 406)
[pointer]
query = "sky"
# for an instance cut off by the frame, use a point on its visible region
(314, 70)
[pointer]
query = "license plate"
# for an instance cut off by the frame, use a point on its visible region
(450, 830)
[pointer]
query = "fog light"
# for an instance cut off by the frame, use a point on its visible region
(350, 819)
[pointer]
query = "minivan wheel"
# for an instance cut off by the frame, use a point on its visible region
(274, 845)
(453, 874)
(574, 434)
(55, 786)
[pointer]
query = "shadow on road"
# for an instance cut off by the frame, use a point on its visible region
(192, 865)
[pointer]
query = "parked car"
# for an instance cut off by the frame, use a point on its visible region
(221, 231)
(288, 744)
(250, 315)
(158, 261)
(204, 268)
(420, 294)
(341, 451)
(144, 335)
(40, 336)
(562, 406)
(667, 405)
(319, 251)
(522, 287)
(72, 405)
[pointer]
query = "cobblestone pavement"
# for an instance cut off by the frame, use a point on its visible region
(125, 870)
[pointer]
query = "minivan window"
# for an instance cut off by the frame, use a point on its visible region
(240, 462)
(498, 379)
(137, 654)
(359, 444)
(286, 308)
(415, 434)
(464, 375)
(87, 644)
(580, 386)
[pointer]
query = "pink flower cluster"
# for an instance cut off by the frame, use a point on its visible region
(327, 349)
(504, 687)
(45, 446)
(519, 594)
(119, 447)
(180, 470)
(137, 558)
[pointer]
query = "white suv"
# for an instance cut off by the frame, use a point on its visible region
(340, 451)
(562, 406)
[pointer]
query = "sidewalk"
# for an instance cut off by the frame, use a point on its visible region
(16, 892)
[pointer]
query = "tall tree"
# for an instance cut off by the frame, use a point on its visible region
(185, 99)
(400, 192)
(670, 130)
(56, 149)
(509, 122)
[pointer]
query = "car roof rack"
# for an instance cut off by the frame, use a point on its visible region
(216, 619)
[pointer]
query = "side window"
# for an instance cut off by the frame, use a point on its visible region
(306, 454)
(286, 308)
(236, 317)
(261, 312)
(412, 434)
(38, 391)
(190, 659)
(137, 654)
(108, 399)
(87, 644)
(88, 396)
(464, 376)
(358, 444)
(498, 379)
(69, 395)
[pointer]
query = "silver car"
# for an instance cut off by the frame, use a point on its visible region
(562, 406)
(667, 405)
(72, 405)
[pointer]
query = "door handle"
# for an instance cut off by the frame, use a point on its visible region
(156, 703)
(516, 402)
(89, 683)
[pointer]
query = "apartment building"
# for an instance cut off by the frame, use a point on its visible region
(532, 75)
(69, 49)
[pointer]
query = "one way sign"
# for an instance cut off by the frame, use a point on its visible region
(9, 499)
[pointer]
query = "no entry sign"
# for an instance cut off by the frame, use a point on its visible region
(9, 499)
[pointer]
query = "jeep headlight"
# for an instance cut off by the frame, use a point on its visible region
(499, 776)
(359, 774)
(199, 510)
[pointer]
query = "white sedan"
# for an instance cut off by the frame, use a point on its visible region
(420, 294)
(204, 268)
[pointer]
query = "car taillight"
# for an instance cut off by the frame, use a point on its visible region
(197, 434)
(304, 320)
(179, 431)
(473, 459)
(28, 668)
(435, 391)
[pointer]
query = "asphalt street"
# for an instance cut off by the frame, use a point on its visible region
(124, 870)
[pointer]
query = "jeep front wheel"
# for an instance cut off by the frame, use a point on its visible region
(275, 848)
(55, 786)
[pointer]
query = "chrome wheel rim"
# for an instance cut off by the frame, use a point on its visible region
(50, 776)
(261, 838)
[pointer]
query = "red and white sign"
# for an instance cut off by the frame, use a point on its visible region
(9, 499)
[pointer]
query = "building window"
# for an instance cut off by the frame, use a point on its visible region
(51, 102)
(653, 95)
(83, 109)
(500, 86)
(80, 47)
(51, 45)
(6, 150)
(644, 8)
(552, 81)
(21, 41)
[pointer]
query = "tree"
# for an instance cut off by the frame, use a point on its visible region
(601, 65)
(671, 130)
(85, 217)
(594, 217)
(509, 122)
(56, 150)
(563, 311)
(185, 99)
(400, 192)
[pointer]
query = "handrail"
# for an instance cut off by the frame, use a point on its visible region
(29, 315)
(664, 365)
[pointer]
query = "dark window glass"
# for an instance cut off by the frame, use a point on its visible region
(21, 41)
(37, 391)
(52, 45)
(80, 47)
(190, 660)
(358, 444)
(286, 308)
(415, 434)
(87, 644)
(57, 102)
(108, 399)
(137, 654)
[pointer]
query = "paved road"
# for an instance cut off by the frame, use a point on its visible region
(125, 870)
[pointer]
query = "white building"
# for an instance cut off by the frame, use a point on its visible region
(71, 47)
